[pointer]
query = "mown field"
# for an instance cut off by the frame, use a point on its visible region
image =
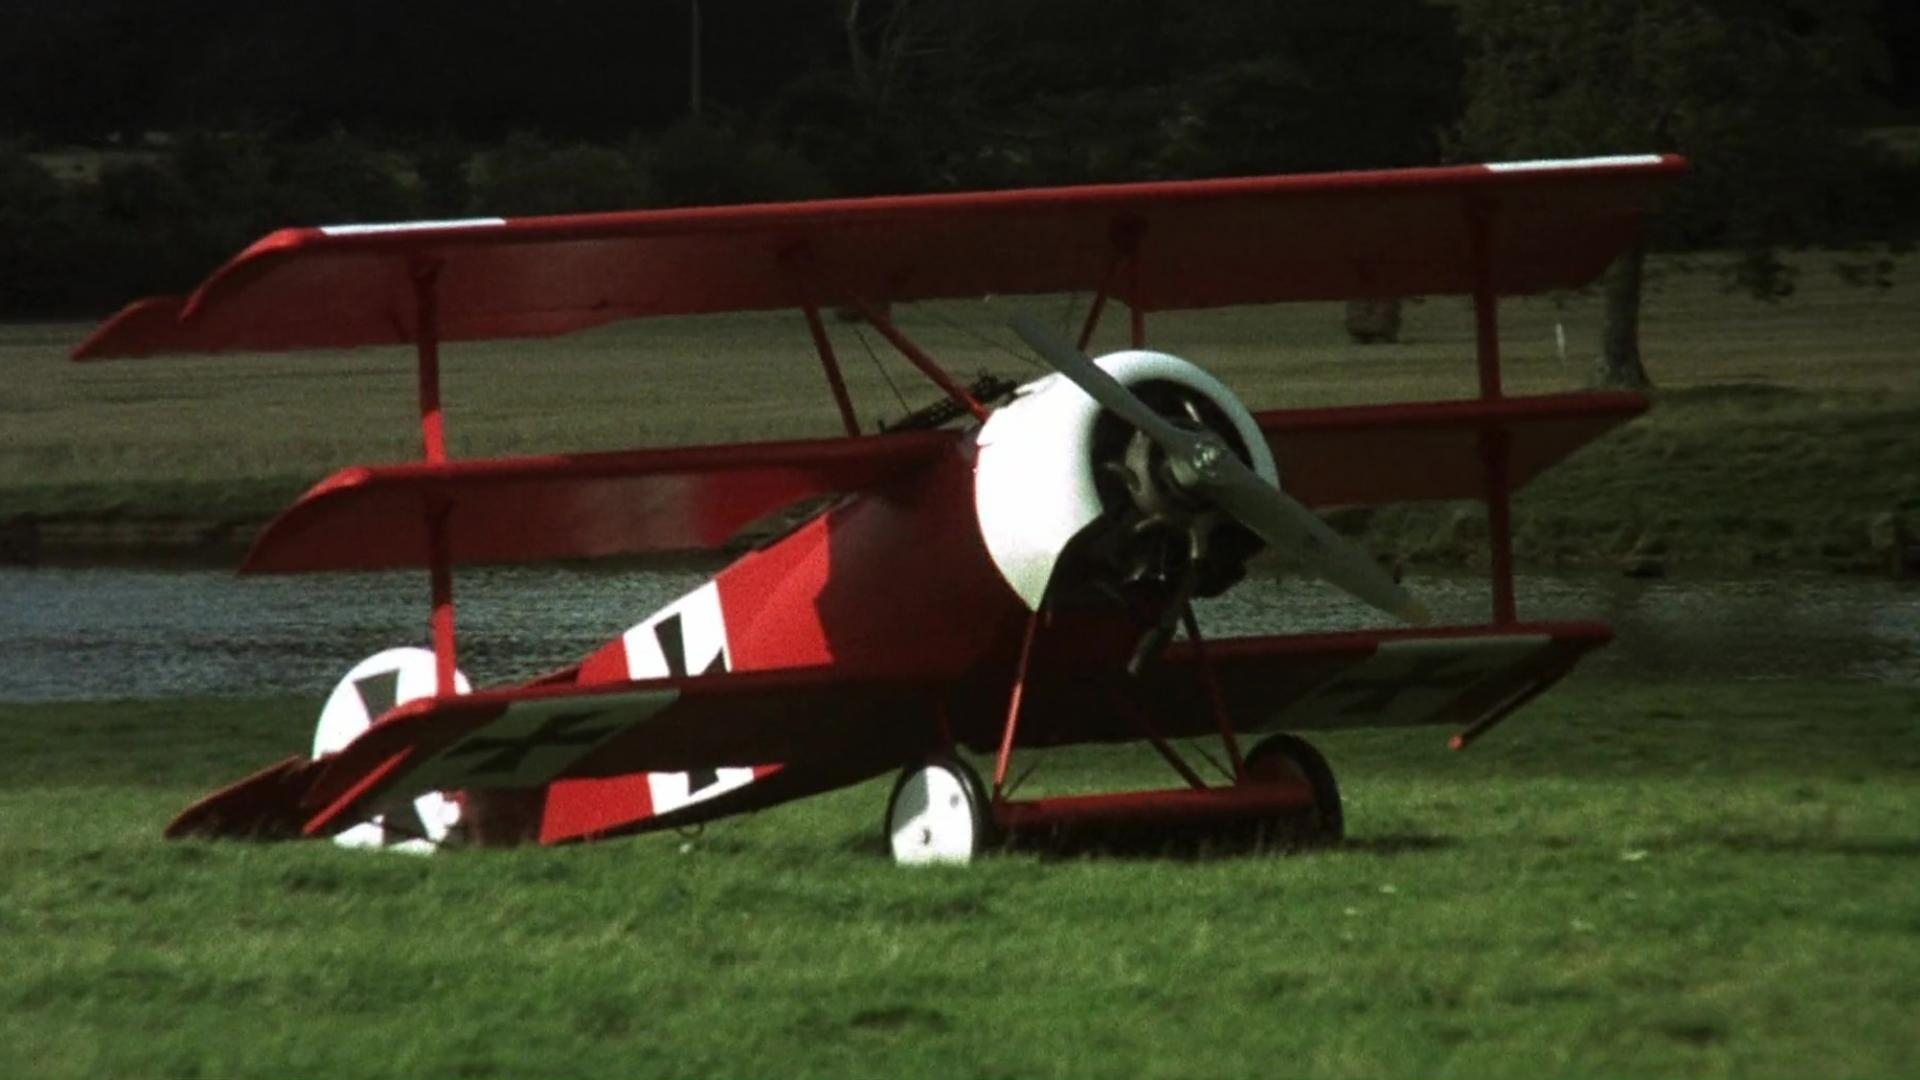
(1631, 879)
(1782, 431)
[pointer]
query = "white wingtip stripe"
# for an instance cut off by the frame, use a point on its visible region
(1550, 164)
(408, 226)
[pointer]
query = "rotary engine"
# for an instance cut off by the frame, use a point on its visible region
(1078, 507)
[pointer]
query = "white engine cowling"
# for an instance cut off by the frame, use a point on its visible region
(1034, 487)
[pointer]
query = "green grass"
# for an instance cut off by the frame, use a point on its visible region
(1631, 879)
(1793, 420)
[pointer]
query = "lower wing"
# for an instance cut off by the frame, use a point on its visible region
(1469, 677)
(600, 752)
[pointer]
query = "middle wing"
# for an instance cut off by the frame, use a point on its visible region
(1368, 454)
(572, 505)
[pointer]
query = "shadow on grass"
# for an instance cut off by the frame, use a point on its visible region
(1176, 845)
(1879, 847)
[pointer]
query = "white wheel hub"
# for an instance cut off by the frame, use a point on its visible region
(376, 684)
(935, 816)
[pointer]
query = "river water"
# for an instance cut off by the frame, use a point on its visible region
(103, 633)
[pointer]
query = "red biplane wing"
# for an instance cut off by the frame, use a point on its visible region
(827, 724)
(818, 721)
(1370, 454)
(571, 505)
(1158, 246)
(1462, 676)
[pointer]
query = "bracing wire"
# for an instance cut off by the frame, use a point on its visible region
(881, 368)
(991, 342)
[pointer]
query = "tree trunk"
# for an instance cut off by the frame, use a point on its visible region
(1372, 322)
(1619, 363)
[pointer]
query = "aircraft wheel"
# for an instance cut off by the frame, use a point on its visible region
(1289, 759)
(376, 684)
(938, 813)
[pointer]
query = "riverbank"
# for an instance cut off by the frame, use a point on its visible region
(1783, 435)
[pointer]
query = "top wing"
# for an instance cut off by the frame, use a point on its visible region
(1193, 244)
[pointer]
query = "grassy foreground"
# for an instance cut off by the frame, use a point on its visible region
(1782, 432)
(1630, 880)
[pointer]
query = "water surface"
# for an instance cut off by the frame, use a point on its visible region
(96, 633)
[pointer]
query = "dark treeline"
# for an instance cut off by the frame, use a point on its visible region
(140, 142)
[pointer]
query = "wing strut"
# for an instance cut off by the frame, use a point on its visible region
(1136, 303)
(1099, 303)
(433, 437)
(1495, 443)
(1126, 233)
(799, 263)
(918, 356)
(1013, 710)
(824, 346)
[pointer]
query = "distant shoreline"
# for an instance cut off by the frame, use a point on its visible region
(1424, 537)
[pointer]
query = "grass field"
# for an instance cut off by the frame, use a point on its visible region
(1631, 879)
(1781, 429)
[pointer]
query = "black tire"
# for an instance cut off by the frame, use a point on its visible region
(953, 833)
(1291, 758)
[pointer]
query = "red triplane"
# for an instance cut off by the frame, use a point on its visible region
(1012, 581)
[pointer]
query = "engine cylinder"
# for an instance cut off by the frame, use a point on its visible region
(1052, 464)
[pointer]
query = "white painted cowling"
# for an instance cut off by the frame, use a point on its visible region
(1033, 486)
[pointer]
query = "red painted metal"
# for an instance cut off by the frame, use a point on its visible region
(1094, 310)
(1216, 242)
(334, 816)
(574, 505)
(823, 345)
(1495, 444)
(899, 582)
(1486, 301)
(434, 443)
(427, 344)
(1239, 802)
(1216, 702)
(927, 364)
(440, 572)
(1013, 707)
(1369, 454)
(1466, 736)
(262, 805)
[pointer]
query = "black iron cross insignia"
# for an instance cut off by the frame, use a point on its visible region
(672, 639)
(1427, 673)
(563, 729)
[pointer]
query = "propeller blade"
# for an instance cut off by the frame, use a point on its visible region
(1202, 465)
(1100, 386)
(1287, 524)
